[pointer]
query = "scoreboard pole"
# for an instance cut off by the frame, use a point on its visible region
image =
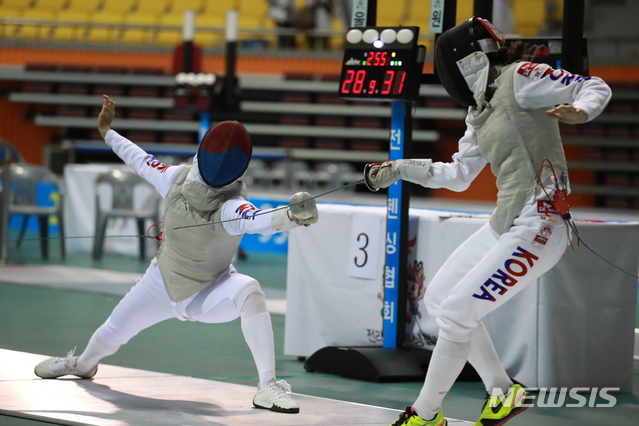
(397, 206)
(391, 362)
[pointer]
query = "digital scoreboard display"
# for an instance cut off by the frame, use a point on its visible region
(382, 63)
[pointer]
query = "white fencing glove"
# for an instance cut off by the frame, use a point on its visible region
(303, 209)
(383, 175)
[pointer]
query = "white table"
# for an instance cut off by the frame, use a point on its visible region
(574, 328)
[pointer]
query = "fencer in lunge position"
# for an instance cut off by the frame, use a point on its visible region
(512, 124)
(191, 276)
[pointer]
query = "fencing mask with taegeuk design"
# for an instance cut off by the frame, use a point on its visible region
(224, 153)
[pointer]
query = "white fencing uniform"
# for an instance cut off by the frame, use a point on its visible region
(230, 296)
(465, 288)
(523, 239)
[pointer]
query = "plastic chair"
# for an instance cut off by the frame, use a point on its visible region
(13, 154)
(130, 197)
(28, 183)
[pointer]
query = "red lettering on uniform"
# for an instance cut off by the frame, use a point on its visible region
(485, 295)
(516, 267)
(522, 268)
(495, 287)
(526, 69)
(504, 278)
(245, 207)
(155, 164)
(526, 255)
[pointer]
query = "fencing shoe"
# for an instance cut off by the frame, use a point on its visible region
(410, 418)
(499, 409)
(275, 397)
(53, 368)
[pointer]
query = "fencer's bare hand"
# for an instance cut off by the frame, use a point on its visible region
(568, 114)
(106, 116)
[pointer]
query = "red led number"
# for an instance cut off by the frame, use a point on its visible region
(384, 59)
(388, 82)
(371, 86)
(377, 59)
(360, 76)
(348, 81)
(398, 87)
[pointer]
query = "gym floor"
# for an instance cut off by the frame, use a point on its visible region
(50, 320)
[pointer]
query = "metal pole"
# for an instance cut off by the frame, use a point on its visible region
(483, 9)
(230, 81)
(4, 208)
(572, 44)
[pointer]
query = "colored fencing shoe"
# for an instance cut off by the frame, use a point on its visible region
(53, 368)
(275, 396)
(410, 418)
(499, 409)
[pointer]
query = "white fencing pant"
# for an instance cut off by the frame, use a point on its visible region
(483, 273)
(147, 303)
(487, 270)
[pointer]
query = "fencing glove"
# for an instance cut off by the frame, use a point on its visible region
(383, 175)
(304, 209)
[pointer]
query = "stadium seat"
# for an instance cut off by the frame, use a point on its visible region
(71, 32)
(209, 38)
(50, 5)
(86, 6)
(140, 35)
(170, 36)
(37, 31)
(152, 7)
(117, 7)
(16, 4)
(10, 30)
(220, 7)
(101, 32)
(177, 7)
(529, 16)
(392, 13)
(254, 13)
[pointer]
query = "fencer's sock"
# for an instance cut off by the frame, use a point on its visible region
(258, 333)
(446, 363)
(485, 361)
(98, 348)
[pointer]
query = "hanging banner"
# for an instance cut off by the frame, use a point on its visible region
(437, 16)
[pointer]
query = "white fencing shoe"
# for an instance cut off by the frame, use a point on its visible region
(53, 368)
(275, 397)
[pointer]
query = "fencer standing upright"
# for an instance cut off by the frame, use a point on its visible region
(191, 277)
(512, 124)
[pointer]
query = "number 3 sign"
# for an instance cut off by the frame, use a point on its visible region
(365, 245)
